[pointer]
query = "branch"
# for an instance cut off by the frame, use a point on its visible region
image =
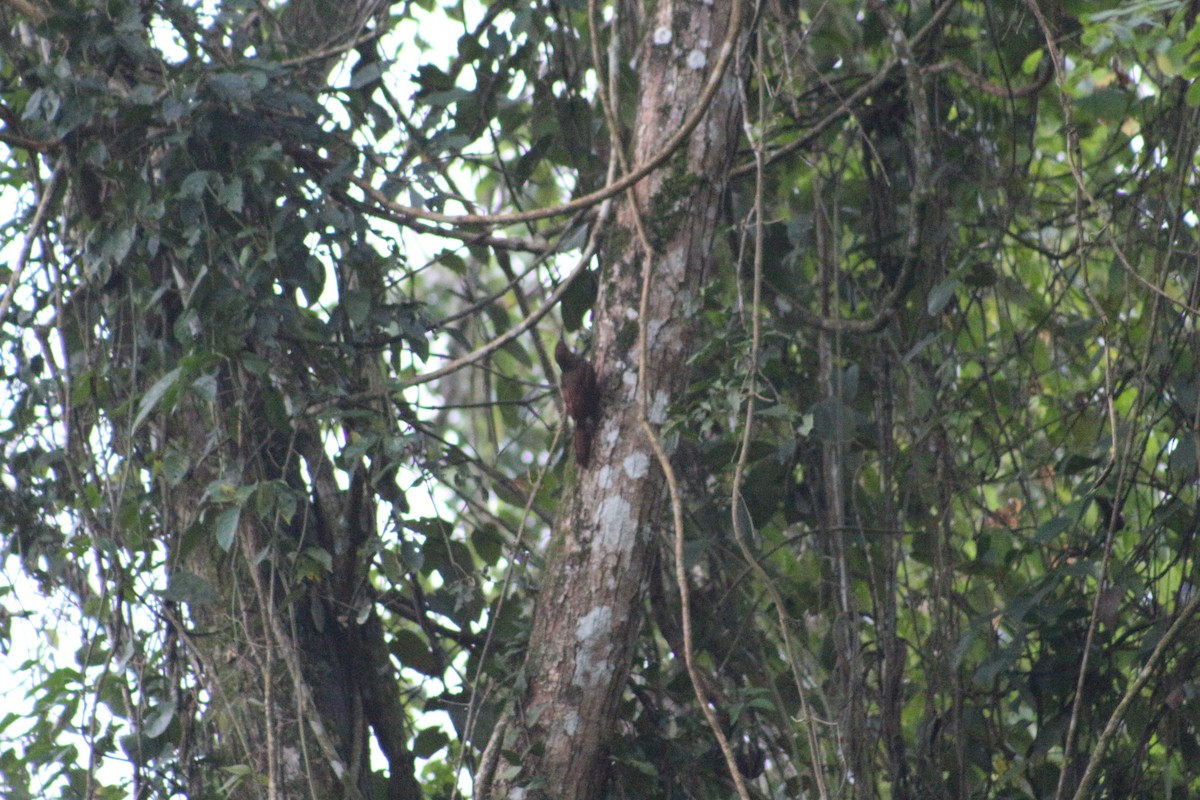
(986, 86)
(751, 391)
(903, 55)
(1148, 670)
(35, 228)
(401, 606)
(321, 166)
(525, 324)
(664, 462)
(32, 10)
(26, 143)
(600, 195)
(844, 107)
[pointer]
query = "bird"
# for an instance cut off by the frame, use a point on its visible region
(581, 397)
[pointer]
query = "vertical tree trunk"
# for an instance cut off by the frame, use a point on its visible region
(590, 606)
(290, 710)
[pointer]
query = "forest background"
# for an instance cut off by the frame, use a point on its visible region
(893, 487)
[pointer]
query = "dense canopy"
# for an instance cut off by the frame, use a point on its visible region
(888, 317)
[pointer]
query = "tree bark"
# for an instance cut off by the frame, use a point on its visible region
(293, 705)
(590, 607)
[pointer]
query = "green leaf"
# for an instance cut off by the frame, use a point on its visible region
(155, 394)
(194, 184)
(1030, 64)
(1105, 104)
(357, 305)
(428, 741)
(1193, 94)
(231, 87)
(184, 587)
(320, 556)
(488, 543)
(225, 526)
(116, 245)
(206, 387)
(1052, 528)
(413, 652)
(368, 74)
(230, 196)
(154, 723)
(173, 466)
(940, 295)
(393, 569)
(578, 299)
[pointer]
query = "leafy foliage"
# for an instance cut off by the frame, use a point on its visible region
(966, 512)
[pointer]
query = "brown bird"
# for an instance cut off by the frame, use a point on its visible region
(578, 386)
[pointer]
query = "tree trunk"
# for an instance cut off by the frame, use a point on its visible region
(290, 706)
(590, 607)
